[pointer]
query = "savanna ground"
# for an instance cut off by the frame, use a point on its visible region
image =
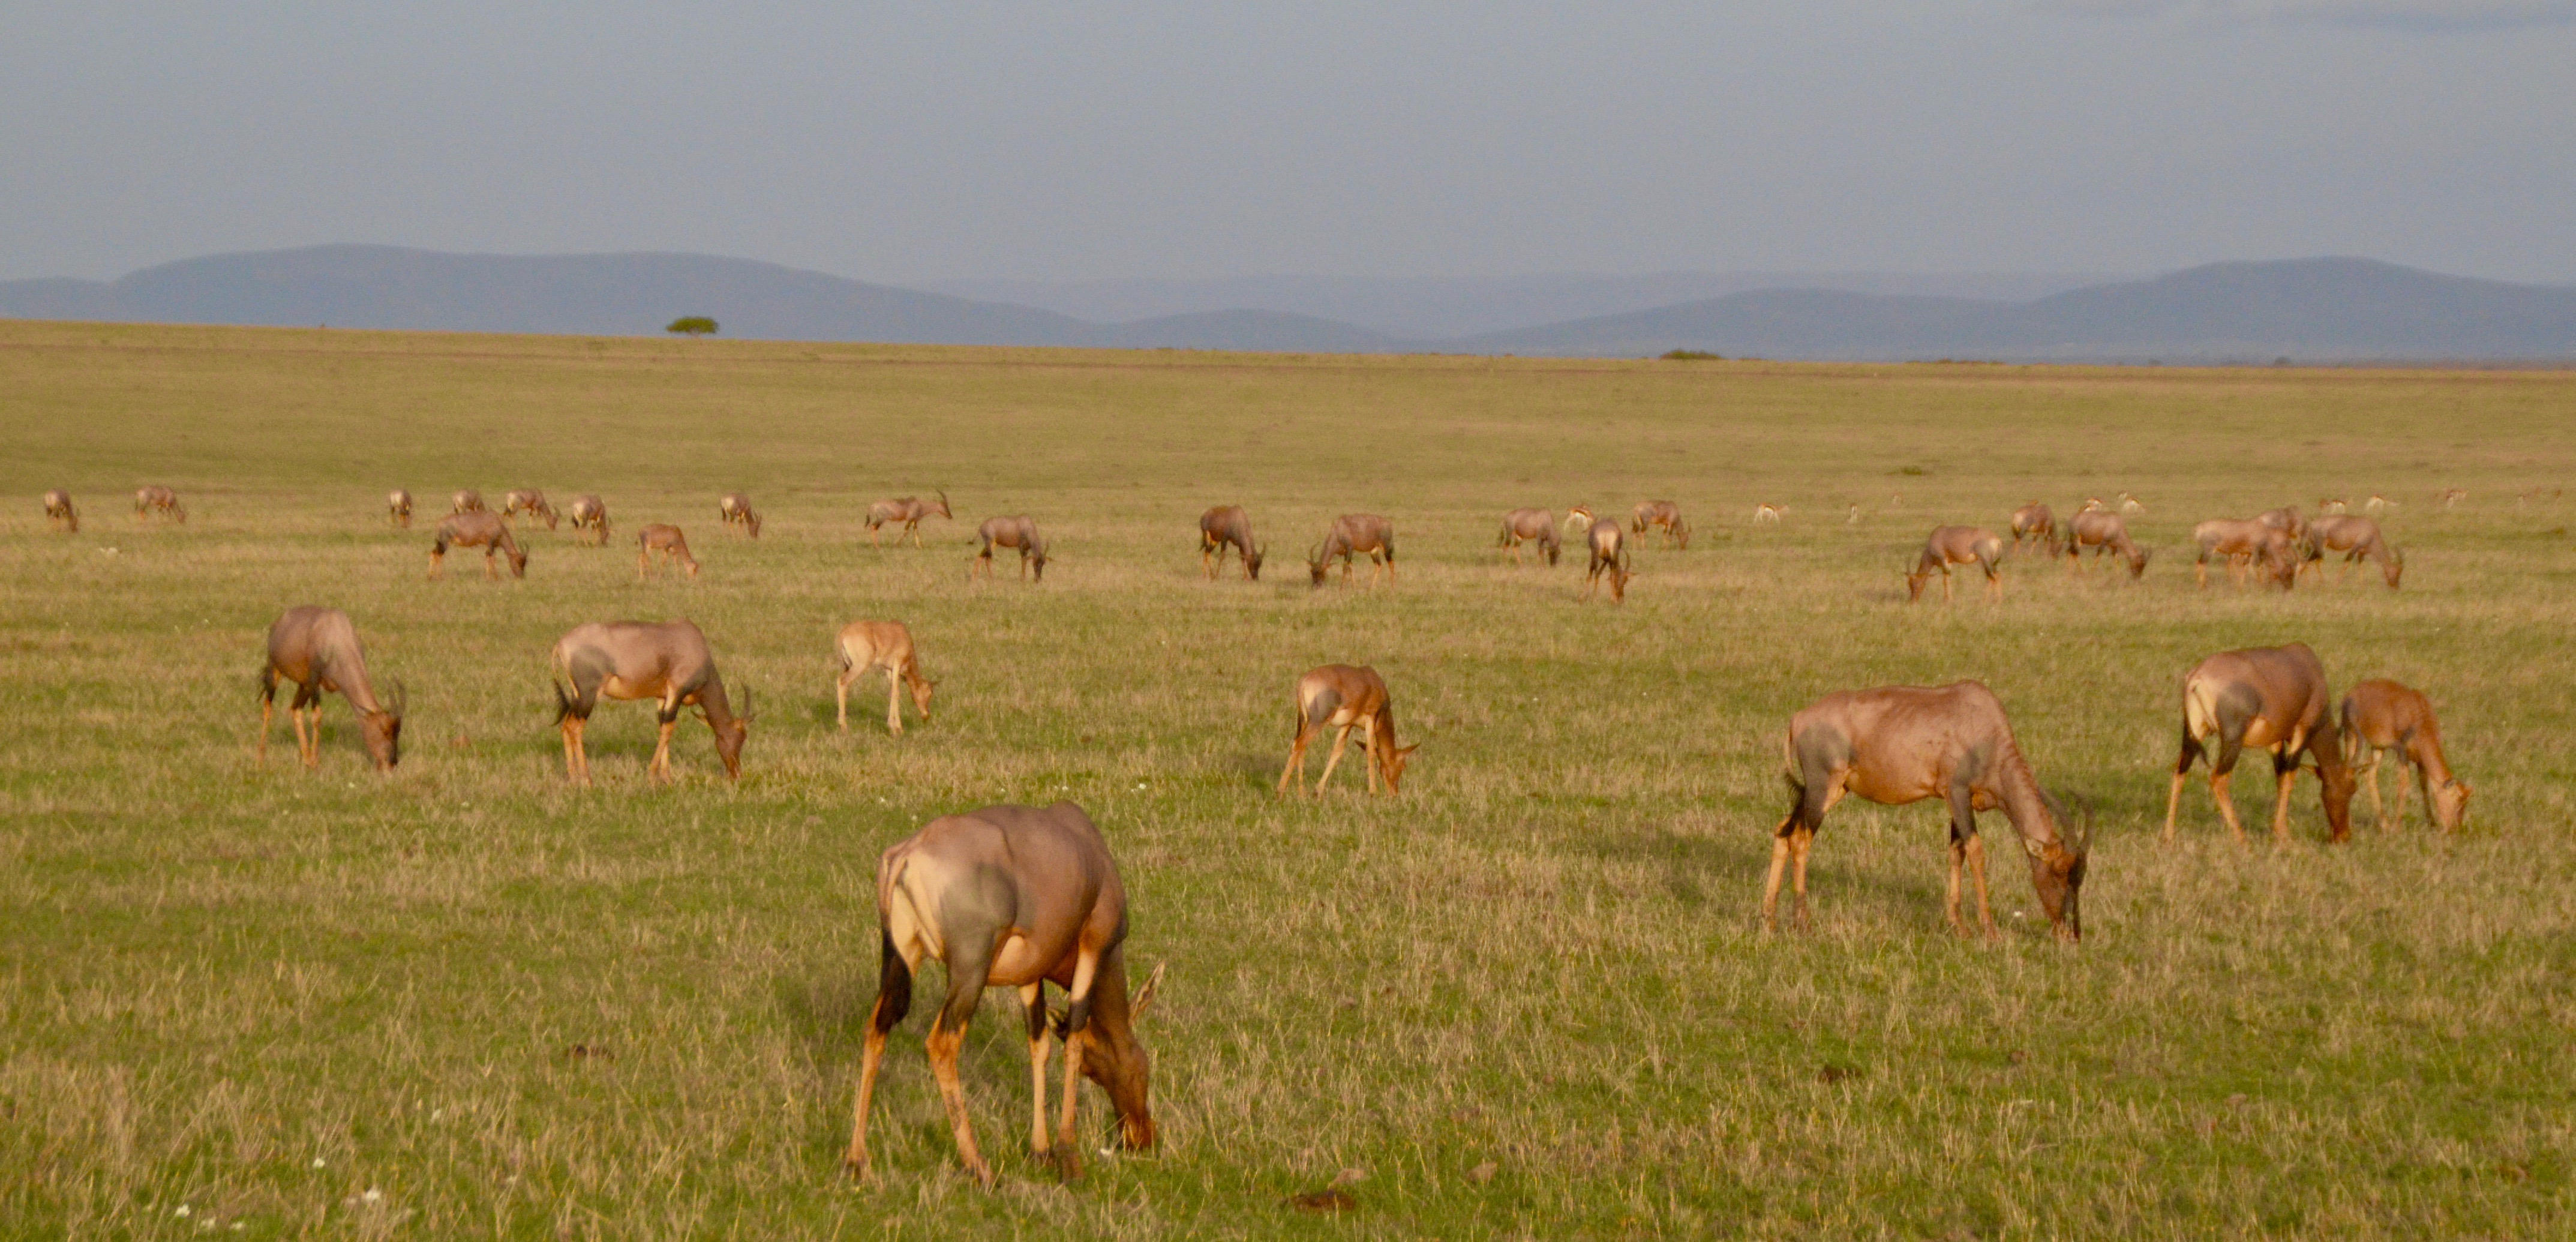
(1529, 996)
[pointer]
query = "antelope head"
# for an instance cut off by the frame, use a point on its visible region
(1038, 562)
(751, 520)
(1395, 761)
(2450, 803)
(729, 738)
(1914, 580)
(2057, 870)
(1315, 560)
(518, 563)
(382, 730)
(2393, 568)
(1252, 562)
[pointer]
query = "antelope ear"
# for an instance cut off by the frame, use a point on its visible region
(1144, 997)
(1406, 750)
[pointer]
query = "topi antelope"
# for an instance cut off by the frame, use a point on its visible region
(1530, 526)
(477, 528)
(2102, 531)
(59, 512)
(1343, 698)
(2377, 504)
(909, 510)
(317, 649)
(1853, 519)
(2268, 698)
(1579, 518)
(1957, 545)
(398, 507)
(2036, 523)
(466, 500)
(667, 662)
(1014, 897)
(865, 645)
(161, 500)
(530, 501)
(2358, 539)
(735, 510)
(666, 539)
(2245, 544)
(1767, 515)
(2381, 716)
(1899, 744)
(2332, 505)
(1610, 560)
(2131, 506)
(1016, 531)
(1354, 533)
(1663, 515)
(2452, 497)
(1228, 526)
(2093, 504)
(589, 516)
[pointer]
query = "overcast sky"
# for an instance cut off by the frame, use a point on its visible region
(1062, 141)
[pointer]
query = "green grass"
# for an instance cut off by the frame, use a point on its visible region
(264, 994)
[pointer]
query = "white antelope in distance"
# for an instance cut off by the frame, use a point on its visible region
(1767, 515)
(1957, 545)
(2379, 716)
(2452, 497)
(1662, 515)
(1899, 744)
(158, 499)
(2358, 539)
(2377, 504)
(735, 509)
(59, 513)
(1014, 897)
(1530, 525)
(2034, 522)
(1352, 534)
(466, 500)
(398, 508)
(2245, 544)
(666, 539)
(589, 516)
(908, 510)
(530, 501)
(1610, 560)
(2272, 699)
(1228, 526)
(1016, 531)
(2102, 531)
(865, 645)
(2331, 505)
(317, 649)
(2131, 506)
(667, 662)
(477, 528)
(1342, 698)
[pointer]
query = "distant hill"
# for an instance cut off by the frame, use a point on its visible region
(2309, 309)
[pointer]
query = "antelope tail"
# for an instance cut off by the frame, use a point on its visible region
(563, 704)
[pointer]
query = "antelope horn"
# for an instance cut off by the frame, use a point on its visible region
(401, 697)
(746, 702)
(1144, 998)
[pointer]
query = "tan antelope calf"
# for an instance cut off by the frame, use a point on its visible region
(1767, 515)
(909, 510)
(1899, 744)
(666, 539)
(2377, 504)
(59, 513)
(590, 518)
(398, 508)
(2036, 523)
(1610, 560)
(1015, 531)
(1342, 698)
(1662, 515)
(1352, 534)
(735, 509)
(865, 645)
(667, 662)
(1579, 518)
(530, 501)
(1957, 545)
(158, 499)
(1013, 897)
(2381, 716)
(2245, 544)
(317, 649)
(477, 528)
(2358, 539)
(2131, 506)
(2269, 698)
(2102, 531)
(466, 500)
(1228, 526)
(1530, 526)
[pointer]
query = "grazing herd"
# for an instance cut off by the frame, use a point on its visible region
(1021, 897)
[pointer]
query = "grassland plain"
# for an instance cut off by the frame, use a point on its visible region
(468, 999)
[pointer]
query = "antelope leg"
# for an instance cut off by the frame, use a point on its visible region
(1799, 843)
(841, 691)
(1977, 871)
(2218, 782)
(944, 1044)
(894, 703)
(855, 1161)
(1340, 740)
(267, 715)
(1077, 1038)
(661, 766)
(1779, 866)
(2370, 775)
(2284, 778)
(1033, 999)
(1296, 768)
(1950, 897)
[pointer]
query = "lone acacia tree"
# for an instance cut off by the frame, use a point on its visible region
(693, 325)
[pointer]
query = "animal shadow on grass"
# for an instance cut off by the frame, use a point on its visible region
(1700, 871)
